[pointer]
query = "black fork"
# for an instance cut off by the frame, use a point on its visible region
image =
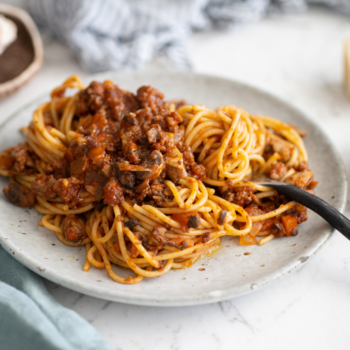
(316, 204)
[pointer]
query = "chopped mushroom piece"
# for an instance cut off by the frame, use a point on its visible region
(193, 221)
(19, 195)
(222, 217)
(131, 223)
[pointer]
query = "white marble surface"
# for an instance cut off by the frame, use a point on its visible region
(299, 58)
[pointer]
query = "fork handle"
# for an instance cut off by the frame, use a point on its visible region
(316, 204)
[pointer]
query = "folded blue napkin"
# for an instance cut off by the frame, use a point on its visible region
(112, 34)
(31, 319)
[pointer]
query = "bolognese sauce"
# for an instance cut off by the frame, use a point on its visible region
(152, 184)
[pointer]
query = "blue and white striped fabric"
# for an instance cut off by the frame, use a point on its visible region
(111, 34)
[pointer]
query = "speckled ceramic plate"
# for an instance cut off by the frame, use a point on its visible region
(227, 273)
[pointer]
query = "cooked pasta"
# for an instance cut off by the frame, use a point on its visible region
(152, 185)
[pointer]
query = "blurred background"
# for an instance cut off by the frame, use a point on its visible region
(291, 48)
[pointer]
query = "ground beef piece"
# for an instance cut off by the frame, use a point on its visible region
(120, 102)
(179, 133)
(130, 119)
(187, 155)
(193, 169)
(59, 168)
(113, 192)
(90, 99)
(151, 98)
(301, 213)
(142, 190)
(159, 192)
(68, 189)
(276, 145)
(95, 182)
(302, 166)
(241, 196)
(157, 239)
(17, 159)
(264, 225)
(108, 97)
(19, 195)
(173, 119)
(73, 229)
(278, 171)
(153, 134)
(130, 138)
(44, 186)
(197, 171)
(48, 188)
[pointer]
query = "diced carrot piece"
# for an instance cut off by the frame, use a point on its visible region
(179, 240)
(96, 152)
(290, 224)
(183, 219)
(189, 242)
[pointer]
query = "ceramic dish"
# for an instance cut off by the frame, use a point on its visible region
(227, 273)
(23, 58)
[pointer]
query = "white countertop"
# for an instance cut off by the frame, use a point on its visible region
(298, 58)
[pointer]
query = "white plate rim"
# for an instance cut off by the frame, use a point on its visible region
(207, 297)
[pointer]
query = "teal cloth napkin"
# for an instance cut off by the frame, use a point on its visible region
(31, 319)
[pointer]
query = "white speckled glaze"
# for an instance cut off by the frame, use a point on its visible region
(228, 273)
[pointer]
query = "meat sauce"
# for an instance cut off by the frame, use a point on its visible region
(126, 145)
(18, 160)
(286, 223)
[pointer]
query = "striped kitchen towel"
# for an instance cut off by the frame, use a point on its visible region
(111, 34)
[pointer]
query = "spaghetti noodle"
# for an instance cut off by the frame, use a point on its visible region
(152, 185)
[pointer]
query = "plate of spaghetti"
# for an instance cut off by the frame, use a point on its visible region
(143, 187)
